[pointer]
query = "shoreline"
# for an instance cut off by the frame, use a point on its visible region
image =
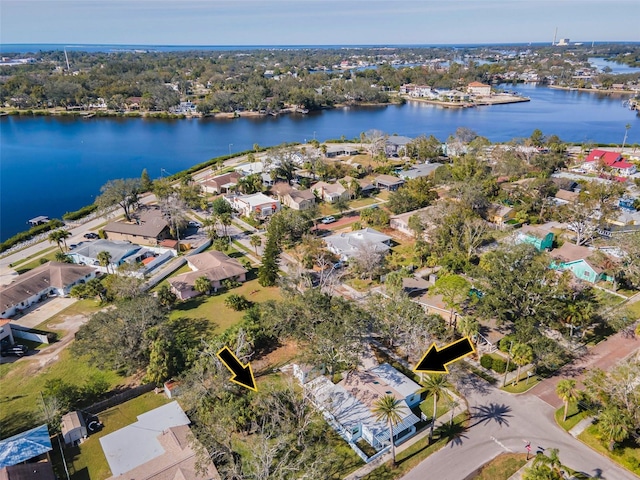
(497, 99)
(593, 90)
(87, 114)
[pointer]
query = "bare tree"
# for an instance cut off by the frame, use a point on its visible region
(367, 261)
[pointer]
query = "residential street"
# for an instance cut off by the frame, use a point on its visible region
(502, 422)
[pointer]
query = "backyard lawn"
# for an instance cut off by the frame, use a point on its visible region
(87, 461)
(212, 307)
(21, 387)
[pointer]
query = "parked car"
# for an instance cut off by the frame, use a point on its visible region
(338, 265)
(327, 220)
(15, 350)
(91, 236)
(195, 224)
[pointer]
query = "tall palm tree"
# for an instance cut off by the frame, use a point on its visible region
(255, 241)
(64, 234)
(566, 390)
(614, 423)
(56, 237)
(388, 409)
(521, 355)
(436, 386)
(104, 258)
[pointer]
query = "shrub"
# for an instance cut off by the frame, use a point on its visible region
(505, 343)
(102, 234)
(237, 302)
(486, 361)
(499, 365)
(28, 234)
(83, 212)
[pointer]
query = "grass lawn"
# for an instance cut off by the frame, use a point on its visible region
(87, 461)
(442, 406)
(383, 195)
(362, 285)
(574, 415)
(21, 387)
(626, 454)
(212, 307)
(523, 385)
(416, 453)
(606, 299)
(42, 252)
(37, 262)
(362, 202)
(404, 255)
(501, 467)
(634, 309)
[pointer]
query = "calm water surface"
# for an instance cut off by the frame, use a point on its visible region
(52, 165)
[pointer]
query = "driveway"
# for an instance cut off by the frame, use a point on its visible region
(43, 311)
(502, 422)
(603, 356)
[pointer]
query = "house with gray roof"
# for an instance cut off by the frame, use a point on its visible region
(121, 253)
(51, 278)
(348, 405)
(397, 145)
(388, 182)
(348, 244)
(419, 170)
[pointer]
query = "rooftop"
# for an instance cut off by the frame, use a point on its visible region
(149, 223)
(138, 443)
(24, 446)
(117, 250)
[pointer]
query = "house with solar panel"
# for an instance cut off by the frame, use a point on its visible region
(348, 406)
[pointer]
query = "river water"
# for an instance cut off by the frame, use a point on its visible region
(51, 165)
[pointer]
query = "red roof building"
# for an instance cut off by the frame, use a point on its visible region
(613, 160)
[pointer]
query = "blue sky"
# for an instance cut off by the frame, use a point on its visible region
(315, 22)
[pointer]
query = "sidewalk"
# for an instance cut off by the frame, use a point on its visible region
(581, 426)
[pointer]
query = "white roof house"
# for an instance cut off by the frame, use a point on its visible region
(136, 444)
(349, 404)
(347, 245)
(420, 170)
(256, 203)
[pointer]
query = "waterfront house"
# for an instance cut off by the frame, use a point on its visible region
(582, 262)
(480, 89)
(330, 192)
(147, 228)
(603, 159)
(348, 244)
(158, 446)
(539, 237)
(256, 204)
(215, 266)
(340, 151)
(396, 145)
(51, 278)
(348, 405)
(388, 182)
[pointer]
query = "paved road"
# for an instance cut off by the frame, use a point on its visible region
(604, 355)
(503, 423)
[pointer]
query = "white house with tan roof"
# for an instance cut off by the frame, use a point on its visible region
(480, 89)
(257, 204)
(52, 278)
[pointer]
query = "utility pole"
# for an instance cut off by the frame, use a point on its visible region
(46, 412)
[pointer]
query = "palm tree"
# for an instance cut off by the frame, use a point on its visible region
(202, 285)
(436, 386)
(56, 237)
(551, 460)
(614, 423)
(104, 258)
(62, 257)
(255, 241)
(521, 354)
(388, 409)
(225, 221)
(64, 234)
(566, 390)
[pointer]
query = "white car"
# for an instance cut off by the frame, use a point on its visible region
(327, 220)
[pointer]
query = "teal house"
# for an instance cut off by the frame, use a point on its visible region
(581, 262)
(540, 238)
